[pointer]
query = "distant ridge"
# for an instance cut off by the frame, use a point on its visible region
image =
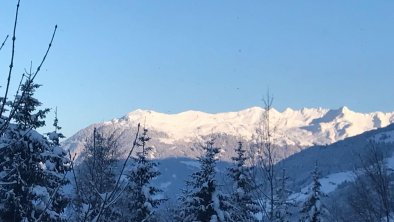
(175, 135)
(310, 125)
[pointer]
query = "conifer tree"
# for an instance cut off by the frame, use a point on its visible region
(313, 209)
(244, 207)
(141, 197)
(202, 200)
(283, 204)
(26, 114)
(55, 135)
(33, 168)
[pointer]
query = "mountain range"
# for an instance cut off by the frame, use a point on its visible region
(335, 139)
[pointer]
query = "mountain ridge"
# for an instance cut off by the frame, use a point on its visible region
(326, 125)
(178, 135)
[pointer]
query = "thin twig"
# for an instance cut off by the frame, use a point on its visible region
(73, 171)
(1, 47)
(46, 53)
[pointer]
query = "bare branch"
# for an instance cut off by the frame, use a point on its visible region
(30, 81)
(46, 53)
(73, 170)
(1, 47)
(12, 61)
(113, 193)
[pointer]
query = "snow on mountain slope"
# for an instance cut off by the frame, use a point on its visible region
(328, 183)
(336, 161)
(303, 127)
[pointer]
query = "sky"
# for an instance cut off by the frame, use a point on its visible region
(112, 57)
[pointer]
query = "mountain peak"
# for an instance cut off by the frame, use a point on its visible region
(344, 110)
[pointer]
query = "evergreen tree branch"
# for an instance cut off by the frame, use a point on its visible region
(50, 201)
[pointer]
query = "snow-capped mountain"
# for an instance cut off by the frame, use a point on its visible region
(175, 141)
(175, 135)
(303, 127)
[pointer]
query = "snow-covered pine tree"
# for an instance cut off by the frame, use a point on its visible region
(141, 197)
(63, 196)
(55, 135)
(32, 168)
(26, 114)
(244, 207)
(313, 209)
(283, 204)
(202, 201)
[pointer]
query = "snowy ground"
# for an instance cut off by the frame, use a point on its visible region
(331, 182)
(328, 184)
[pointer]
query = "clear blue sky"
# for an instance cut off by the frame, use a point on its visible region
(112, 57)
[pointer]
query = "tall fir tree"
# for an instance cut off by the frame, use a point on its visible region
(32, 168)
(244, 207)
(313, 209)
(202, 200)
(283, 204)
(141, 197)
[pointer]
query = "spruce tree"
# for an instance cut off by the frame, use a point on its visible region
(55, 135)
(283, 204)
(33, 168)
(202, 200)
(141, 197)
(243, 204)
(313, 209)
(26, 113)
